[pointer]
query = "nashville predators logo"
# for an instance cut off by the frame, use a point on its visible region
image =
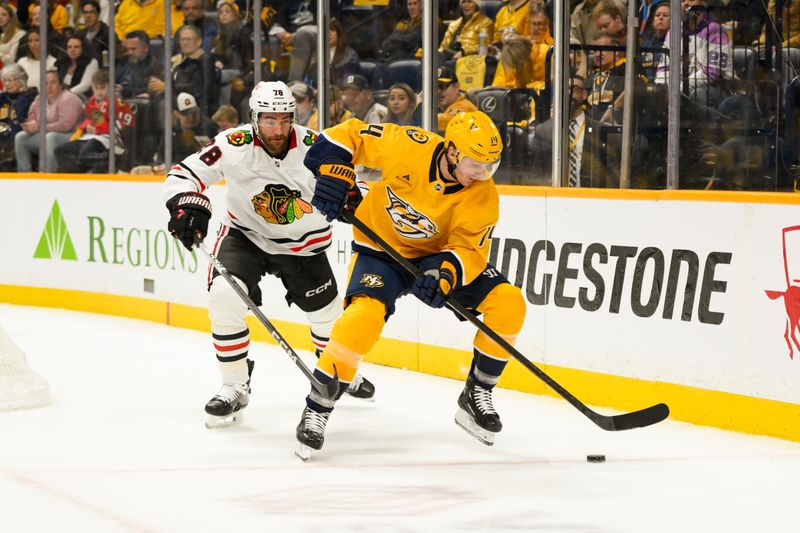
(371, 281)
(409, 222)
(417, 136)
(280, 205)
(239, 138)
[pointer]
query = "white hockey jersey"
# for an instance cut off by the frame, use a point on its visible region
(268, 199)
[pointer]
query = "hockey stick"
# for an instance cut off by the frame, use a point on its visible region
(329, 390)
(645, 417)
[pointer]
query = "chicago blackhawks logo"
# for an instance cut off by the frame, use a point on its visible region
(310, 137)
(280, 205)
(239, 138)
(409, 222)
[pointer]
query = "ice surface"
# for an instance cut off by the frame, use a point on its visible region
(123, 448)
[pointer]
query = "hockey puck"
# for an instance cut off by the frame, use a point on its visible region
(596, 458)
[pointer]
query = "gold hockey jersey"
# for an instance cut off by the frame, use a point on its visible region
(413, 208)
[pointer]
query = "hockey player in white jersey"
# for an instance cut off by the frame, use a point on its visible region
(270, 228)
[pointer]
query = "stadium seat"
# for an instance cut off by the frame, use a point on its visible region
(492, 101)
(791, 57)
(491, 7)
(157, 48)
(744, 62)
(405, 71)
(373, 71)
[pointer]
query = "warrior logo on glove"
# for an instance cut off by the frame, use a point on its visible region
(189, 216)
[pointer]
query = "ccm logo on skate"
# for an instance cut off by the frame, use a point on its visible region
(372, 281)
(319, 289)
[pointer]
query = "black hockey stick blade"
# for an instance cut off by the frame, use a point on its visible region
(645, 417)
(329, 390)
(637, 419)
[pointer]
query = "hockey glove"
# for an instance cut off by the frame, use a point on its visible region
(334, 181)
(189, 215)
(354, 198)
(438, 280)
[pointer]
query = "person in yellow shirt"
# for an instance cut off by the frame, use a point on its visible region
(436, 205)
(451, 99)
(59, 16)
(540, 42)
(461, 37)
(146, 15)
(512, 19)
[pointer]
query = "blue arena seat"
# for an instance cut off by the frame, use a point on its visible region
(491, 7)
(373, 71)
(405, 71)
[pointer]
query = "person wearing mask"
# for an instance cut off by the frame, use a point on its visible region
(64, 111)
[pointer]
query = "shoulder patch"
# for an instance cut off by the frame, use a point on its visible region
(239, 138)
(310, 137)
(417, 136)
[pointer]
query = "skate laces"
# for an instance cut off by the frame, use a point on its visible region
(231, 393)
(314, 421)
(483, 400)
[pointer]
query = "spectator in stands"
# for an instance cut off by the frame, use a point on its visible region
(191, 130)
(137, 67)
(305, 99)
(608, 17)
(295, 26)
(225, 117)
(30, 62)
(582, 25)
(11, 33)
(56, 41)
(654, 35)
(403, 106)
(192, 71)
(59, 16)
(709, 62)
(77, 67)
(512, 19)
(145, 15)
(405, 41)
(337, 112)
(790, 34)
(15, 101)
(451, 100)
(646, 8)
(344, 60)
(194, 15)
(607, 80)
(64, 112)
(95, 31)
(359, 100)
(585, 168)
(461, 37)
(87, 151)
(540, 43)
(515, 69)
(229, 47)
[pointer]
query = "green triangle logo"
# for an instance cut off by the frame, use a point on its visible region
(55, 241)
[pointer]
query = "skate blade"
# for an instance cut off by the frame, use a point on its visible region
(221, 422)
(303, 452)
(465, 422)
(371, 399)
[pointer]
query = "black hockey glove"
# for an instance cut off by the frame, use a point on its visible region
(189, 215)
(354, 198)
(438, 282)
(334, 181)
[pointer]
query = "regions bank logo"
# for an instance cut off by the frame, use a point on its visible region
(791, 296)
(55, 242)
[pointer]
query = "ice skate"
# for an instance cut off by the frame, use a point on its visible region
(476, 414)
(310, 433)
(225, 408)
(361, 388)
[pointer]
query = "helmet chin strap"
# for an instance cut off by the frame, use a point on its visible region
(451, 167)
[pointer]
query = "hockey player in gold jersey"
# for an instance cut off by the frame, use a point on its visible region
(437, 205)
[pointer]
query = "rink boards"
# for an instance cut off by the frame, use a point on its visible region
(634, 297)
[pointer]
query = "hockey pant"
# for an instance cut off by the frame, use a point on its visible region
(360, 326)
